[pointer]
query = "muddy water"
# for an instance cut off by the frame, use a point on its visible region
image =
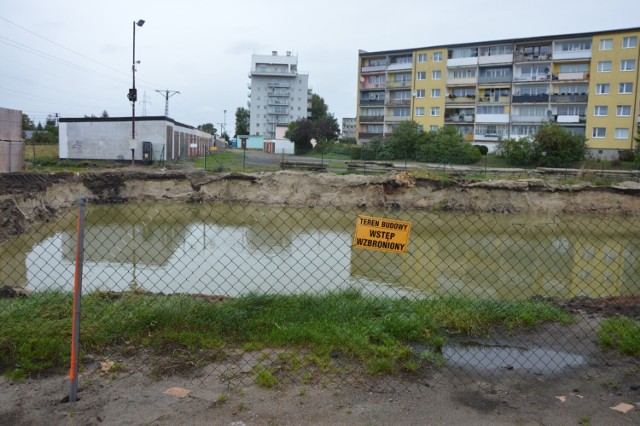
(236, 249)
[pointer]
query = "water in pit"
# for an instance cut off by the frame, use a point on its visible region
(237, 249)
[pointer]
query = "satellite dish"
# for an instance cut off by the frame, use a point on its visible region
(361, 79)
(549, 112)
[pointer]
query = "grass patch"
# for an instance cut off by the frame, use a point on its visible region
(378, 332)
(621, 334)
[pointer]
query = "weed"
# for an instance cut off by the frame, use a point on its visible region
(621, 333)
(221, 398)
(265, 378)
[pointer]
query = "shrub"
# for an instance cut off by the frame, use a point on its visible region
(517, 152)
(446, 146)
(484, 150)
(627, 155)
(555, 146)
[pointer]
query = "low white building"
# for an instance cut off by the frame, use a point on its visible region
(280, 144)
(157, 139)
(11, 142)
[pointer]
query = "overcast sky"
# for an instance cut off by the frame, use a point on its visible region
(73, 57)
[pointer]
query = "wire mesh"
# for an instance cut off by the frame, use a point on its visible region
(242, 292)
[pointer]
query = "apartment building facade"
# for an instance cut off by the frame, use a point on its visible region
(493, 90)
(279, 94)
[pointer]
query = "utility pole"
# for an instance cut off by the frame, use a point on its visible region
(167, 94)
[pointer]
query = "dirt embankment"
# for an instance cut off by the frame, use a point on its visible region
(30, 198)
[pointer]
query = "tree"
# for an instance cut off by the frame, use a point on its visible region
(208, 127)
(242, 121)
(555, 146)
(104, 114)
(319, 108)
(300, 133)
(27, 123)
(402, 144)
(326, 128)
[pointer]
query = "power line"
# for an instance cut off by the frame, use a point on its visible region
(167, 94)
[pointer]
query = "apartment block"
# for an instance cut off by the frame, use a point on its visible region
(348, 128)
(492, 90)
(279, 94)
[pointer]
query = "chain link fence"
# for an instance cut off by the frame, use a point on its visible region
(269, 294)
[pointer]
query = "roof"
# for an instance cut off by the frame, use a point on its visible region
(503, 41)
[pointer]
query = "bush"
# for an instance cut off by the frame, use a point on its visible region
(517, 152)
(555, 146)
(483, 149)
(446, 146)
(627, 156)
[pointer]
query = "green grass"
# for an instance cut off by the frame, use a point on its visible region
(621, 334)
(35, 332)
(229, 161)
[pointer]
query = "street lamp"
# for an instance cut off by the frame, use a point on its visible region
(133, 94)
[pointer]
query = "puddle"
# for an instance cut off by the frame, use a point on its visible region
(483, 357)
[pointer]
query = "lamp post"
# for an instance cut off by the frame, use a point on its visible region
(133, 94)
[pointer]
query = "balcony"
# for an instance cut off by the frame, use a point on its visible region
(570, 55)
(468, 99)
(278, 84)
(461, 62)
(495, 59)
(564, 76)
(563, 98)
(398, 84)
(493, 100)
(376, 69)
(372, 102)
(525, 57)
(492, 118)
(526, 78)
(467, 81)
(516, 118)
(494, 80)
(571, 119)
(274, 72)
(372, 86)
(366, 135)
(530, 99)
(398, 102)
(459, 118)
(278, 102)
(371, 118)
(396, 118)
(399, 67)
(283, 94)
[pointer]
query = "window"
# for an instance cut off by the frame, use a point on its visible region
(606, 44)
(419, 111)
(604, 66)
(601, 110)
(625, 88)
(621, 133)
(629, 42)
(599, 132)
(491, 109)
(421, 75)
(422, 58)
(628, 65)
(436, 75)
(433, 128)
(435, 111)
(571, 68)
(420, 128)
(401, 112)
(435, 93)
(464, 73)
(437, 57)
(602, 89)
(420, 93)
(623, 110)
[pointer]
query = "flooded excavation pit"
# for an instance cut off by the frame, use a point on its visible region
(235, 249)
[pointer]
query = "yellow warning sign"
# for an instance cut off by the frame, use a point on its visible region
(375, 233)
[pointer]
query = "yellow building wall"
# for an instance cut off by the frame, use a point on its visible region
(426, 121)
(613, 99)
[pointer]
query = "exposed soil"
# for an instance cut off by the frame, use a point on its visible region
(135, 395)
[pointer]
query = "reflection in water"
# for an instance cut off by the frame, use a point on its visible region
(231, 250)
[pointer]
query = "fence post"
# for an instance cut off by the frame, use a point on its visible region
(77, 293)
